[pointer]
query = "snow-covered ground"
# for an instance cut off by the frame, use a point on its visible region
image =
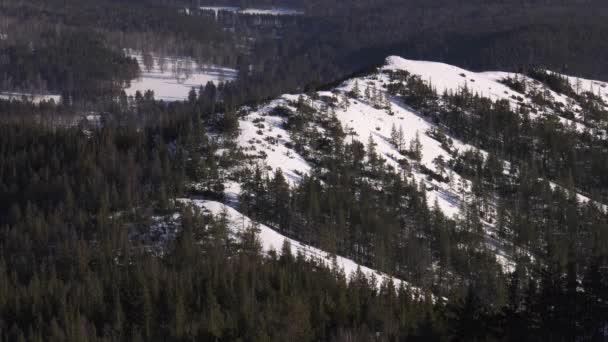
(218, 9)
(583, 85)
(271, 11)
(264, 138)
(171, 79)
(532, 84)
(35, 98)
(272, 240)
(366, 121)
(262, 133)
(445, 77)
(253, 11)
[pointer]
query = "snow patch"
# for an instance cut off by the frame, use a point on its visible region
(276, 11)
(263, 138)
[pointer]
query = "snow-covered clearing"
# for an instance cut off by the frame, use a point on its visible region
(34, 98)
(171, 79)
(445, 77)
(276, 11)
(263, 134)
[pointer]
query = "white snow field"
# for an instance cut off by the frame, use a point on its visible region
(272, 240)
(34, 98)
(171, 79)
(262, 135)
(276, 11)
(366, 121)
(445, 77)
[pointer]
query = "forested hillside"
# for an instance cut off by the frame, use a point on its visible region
(172, 173)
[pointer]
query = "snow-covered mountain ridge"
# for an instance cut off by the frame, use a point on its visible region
(393, 111)
(263, 133)
(368, 111)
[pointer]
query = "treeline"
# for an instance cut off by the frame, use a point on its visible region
(207, 286)
(75, 203)
(77, 65)
(121, 16)
(334, 39)
(138, 152)
(76, 48)
(355, 205)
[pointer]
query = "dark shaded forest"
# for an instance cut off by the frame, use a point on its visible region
(83, 182)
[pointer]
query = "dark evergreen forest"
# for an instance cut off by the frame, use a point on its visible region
(84, 180)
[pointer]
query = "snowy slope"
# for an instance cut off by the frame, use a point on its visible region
(178, 76)
(445, 77)
(363, 119)
(531, 83)
(585, 85)
(262, 135)
(271, 240)
(367, 121)
(264, 138)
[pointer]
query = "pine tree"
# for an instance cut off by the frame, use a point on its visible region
(394, 136)
(214, 318)
(178, 316)
(280, 201)
(249, 240)
(416, 148)
(400, 139)
(440, 165)
(356, 92)
(148, 61)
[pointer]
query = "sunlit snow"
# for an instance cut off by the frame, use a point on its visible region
(171, 79)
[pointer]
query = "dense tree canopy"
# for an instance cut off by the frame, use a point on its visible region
(95, 246)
